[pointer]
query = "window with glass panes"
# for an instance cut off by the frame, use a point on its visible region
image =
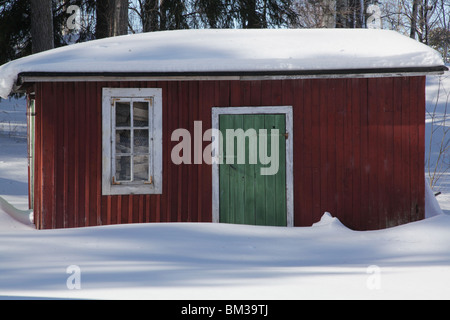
(132, 141)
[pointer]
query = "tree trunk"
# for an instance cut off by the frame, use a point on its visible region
(447, 33)
(120, 18)
(249, 15)
(342, 13)
(112, 18)
(103, 15)
(41, 25)
(329, 13)
(415, 11)
(150, 15)
(358, 9)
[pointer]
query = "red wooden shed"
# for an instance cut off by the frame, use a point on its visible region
(151, 128)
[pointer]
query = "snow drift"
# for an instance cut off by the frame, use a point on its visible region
(221, 261)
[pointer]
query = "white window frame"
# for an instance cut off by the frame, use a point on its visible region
(109, 97)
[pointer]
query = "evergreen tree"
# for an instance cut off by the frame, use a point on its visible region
(173, 15)
(246, 13)
(158, 15)
(15, 24)
(214, 13)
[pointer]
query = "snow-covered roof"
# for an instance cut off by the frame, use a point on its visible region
(230, 51)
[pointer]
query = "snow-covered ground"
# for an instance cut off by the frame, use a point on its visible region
(438, 122)
(13, 152)
(13, 118)
(220, 261)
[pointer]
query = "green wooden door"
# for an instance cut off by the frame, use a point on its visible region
(246, 195)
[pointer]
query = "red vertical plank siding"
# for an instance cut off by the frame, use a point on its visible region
(324, 163)
(389, 161)
(82, 137)
(298, 157)
(406, 151)
(381, 148)
(76, 169)
(65, 168)
(306, 152)
(413, 131)
(397, 192)
(118, 209)
(160, 215)
(205, 190)
(315, 152)
(48, 144)
(98, 126)
(356, 137)
(373, 141)
(348, 159)
(194, 115)
(58, 159)
(340, 109)
(358, 151)
(190, 118)
(171, 126)
(365, 166)
(331, 147)
(72, 158)
(182, 179)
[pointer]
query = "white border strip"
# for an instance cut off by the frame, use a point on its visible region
(92, 78)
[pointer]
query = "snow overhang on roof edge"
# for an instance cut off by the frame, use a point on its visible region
(229, 54)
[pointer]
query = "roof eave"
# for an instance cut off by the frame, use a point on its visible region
(27, 77)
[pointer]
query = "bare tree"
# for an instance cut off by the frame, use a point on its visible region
(316, 14)
(149, 11)
(414, 14)
(438, 164)
(158, 15)
(394, 16)
(331, 13)
(422, 17)
(41, 25)
(443, 30)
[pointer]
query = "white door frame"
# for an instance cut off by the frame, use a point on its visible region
(287, 110)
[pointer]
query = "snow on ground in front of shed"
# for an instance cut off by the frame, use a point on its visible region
(214, 50)
(220, 261)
